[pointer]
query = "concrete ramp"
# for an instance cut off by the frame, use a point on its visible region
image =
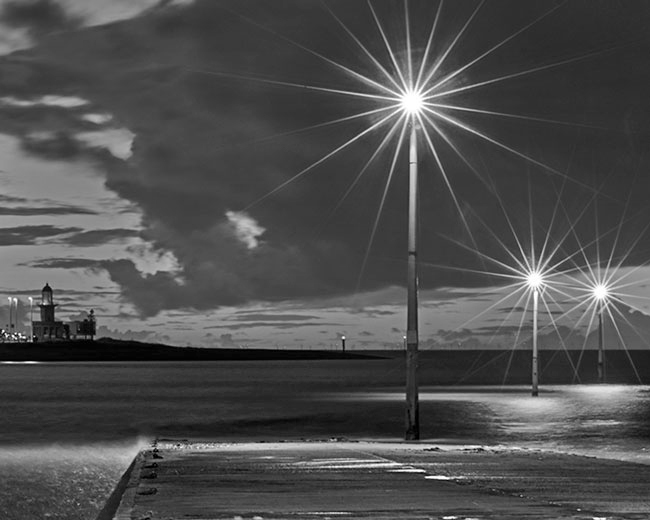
(373, 480)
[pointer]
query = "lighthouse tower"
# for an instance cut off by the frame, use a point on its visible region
(47, 304)
(48, 329)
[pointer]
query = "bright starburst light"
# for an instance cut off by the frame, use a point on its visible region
(601, 292)
(535, 280)
(412, 102)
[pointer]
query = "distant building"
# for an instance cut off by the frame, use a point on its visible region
(86, 327)
(48, 329)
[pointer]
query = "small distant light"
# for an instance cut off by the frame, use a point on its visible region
(601, 292)
(412, 102)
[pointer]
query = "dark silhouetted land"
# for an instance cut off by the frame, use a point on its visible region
(106, 349)
(443, 367)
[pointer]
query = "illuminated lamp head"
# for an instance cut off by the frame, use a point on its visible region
(535, 280)
(600, 292)
(412, 102)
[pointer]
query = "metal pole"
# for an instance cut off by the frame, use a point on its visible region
(11, 308)
(412, 405)
(16, 313)
(31, 319)
(601, 344)
(343, 343)
(535, 374)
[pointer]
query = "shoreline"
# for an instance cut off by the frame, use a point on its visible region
(507, 481)
(114, 350)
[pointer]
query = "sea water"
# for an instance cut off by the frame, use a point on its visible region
(69, 430)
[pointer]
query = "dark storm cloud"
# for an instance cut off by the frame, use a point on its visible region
(91, 292)
(39, 17)
(65, 145)
(51, 210)
(70, 294)
(504, 330)
(271, 324)
(372, 313)
(149, 293)
(448, 295)
(452, 335)
(524, 331)
(31, 235)
(520, 309)
(509, 310)
(100, 236)
(510, 336)
(204, 282)
(200, 148)
(39, 207)
(23, 119)
(9, 199)
(118, 315)
(65, 263)
(60, 145)
(260, 316)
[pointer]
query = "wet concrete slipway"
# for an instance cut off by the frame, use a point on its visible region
(378, 480)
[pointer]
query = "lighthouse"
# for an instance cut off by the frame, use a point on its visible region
(47, 304)
(48, 329)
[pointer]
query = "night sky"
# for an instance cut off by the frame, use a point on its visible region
(145, 146)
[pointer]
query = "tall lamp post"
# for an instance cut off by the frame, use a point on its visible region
(11, 309)
(31, 318)
(601, 293)
(16, 312)
(535, 283)
(412, 104)
(343, 344)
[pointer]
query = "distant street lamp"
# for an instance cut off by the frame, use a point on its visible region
(535, 282)
(31, 318)
(11, 323)
(343, 343)
(601, 294)
(16, 312)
